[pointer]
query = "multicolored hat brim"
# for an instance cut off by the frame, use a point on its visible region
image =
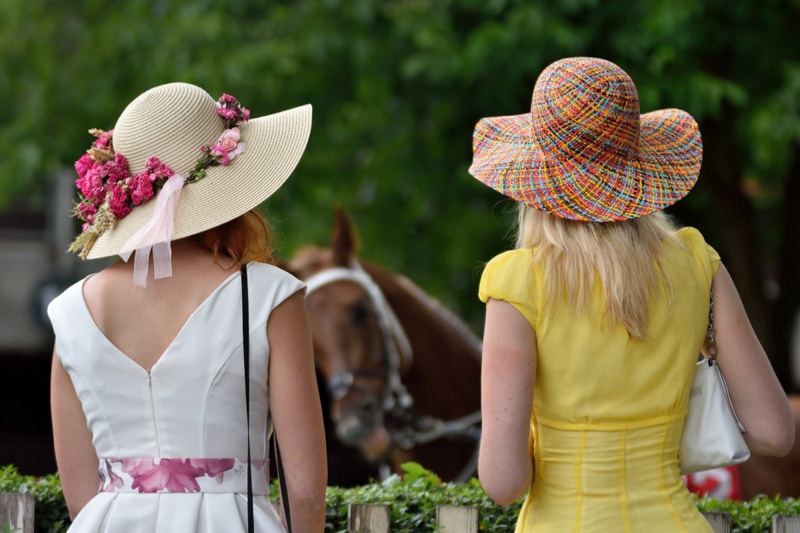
(586, 157)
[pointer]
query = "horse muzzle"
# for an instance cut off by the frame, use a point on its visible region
(356, 416)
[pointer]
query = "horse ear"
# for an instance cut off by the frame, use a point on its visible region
(345, 239)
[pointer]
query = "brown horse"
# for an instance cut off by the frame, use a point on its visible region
(402, 372)
(774, 476)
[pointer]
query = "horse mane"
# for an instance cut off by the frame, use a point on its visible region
(448, 317)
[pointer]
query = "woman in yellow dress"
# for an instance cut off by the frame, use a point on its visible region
(595, 321)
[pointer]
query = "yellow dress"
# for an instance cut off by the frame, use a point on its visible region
(608, 412)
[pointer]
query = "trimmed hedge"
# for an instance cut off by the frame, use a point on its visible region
(413, 500)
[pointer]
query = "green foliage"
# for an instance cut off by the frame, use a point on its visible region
(754, 516)
(412, 502)
(397, 87)
(51, 515)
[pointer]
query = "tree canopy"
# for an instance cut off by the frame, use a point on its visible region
(397, 87)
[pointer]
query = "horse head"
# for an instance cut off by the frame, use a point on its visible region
(355, 349)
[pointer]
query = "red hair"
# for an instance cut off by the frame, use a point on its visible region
(243, 239)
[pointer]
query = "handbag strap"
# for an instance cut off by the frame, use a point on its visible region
(246, 350)
(711, 342)
(282, 482)
(281, 476)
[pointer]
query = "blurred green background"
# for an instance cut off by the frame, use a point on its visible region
(397, 87)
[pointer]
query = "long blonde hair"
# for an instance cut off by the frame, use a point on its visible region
(625, 256)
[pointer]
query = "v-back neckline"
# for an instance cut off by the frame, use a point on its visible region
(128, 358)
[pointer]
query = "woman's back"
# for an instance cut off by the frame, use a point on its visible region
(179, 425)
(608, 411)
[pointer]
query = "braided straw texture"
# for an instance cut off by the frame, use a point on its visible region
(584, 152)
(172, 122)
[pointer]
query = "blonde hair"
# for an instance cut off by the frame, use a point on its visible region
(625, 256)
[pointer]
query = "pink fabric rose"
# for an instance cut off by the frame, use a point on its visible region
(229, 140)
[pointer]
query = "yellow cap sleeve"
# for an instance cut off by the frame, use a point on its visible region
(706, 256)
(511, 277)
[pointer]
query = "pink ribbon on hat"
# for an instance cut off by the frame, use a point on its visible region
(156, 235)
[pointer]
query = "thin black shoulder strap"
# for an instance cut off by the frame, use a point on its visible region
(281, 474)
(282, 482)
(246, 350)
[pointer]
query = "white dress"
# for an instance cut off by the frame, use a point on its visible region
(172, 440)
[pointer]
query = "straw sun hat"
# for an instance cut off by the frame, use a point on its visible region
(172, 122)
(584, 152)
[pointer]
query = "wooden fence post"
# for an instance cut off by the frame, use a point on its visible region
(16, 510)
(785, 524)
(457, 519)
(363, 518)
(720, 522)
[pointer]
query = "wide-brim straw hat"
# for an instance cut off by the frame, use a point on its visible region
(584, 152)
(171, 122)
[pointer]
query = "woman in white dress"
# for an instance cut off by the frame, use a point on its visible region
(147, 391)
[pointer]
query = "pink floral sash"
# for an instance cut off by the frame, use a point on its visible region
(148, 475)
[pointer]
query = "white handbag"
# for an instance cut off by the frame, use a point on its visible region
(712, 434)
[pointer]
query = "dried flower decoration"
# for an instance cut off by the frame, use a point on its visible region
(108, 192)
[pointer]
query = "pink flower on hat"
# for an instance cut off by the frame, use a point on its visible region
(118, 202)
(227, 99)
(142, 187)
(92, 184)
(83, 165)
(220, 154)
(105, 182)
(87, 211)
(232, 111)
(229, 141)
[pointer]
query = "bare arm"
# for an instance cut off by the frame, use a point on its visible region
(75, 455)
(757, 396)
(297, 414)
(508, 372)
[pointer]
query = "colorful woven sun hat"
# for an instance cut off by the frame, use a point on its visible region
(584, 152)
(178, 128)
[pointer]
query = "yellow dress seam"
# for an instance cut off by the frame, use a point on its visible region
(623, 492)
(579, 481)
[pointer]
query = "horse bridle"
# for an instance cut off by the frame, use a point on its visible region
(395, 340)
(396, 398)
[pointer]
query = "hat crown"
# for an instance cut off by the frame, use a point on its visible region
(170, 122)
(584, 107)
